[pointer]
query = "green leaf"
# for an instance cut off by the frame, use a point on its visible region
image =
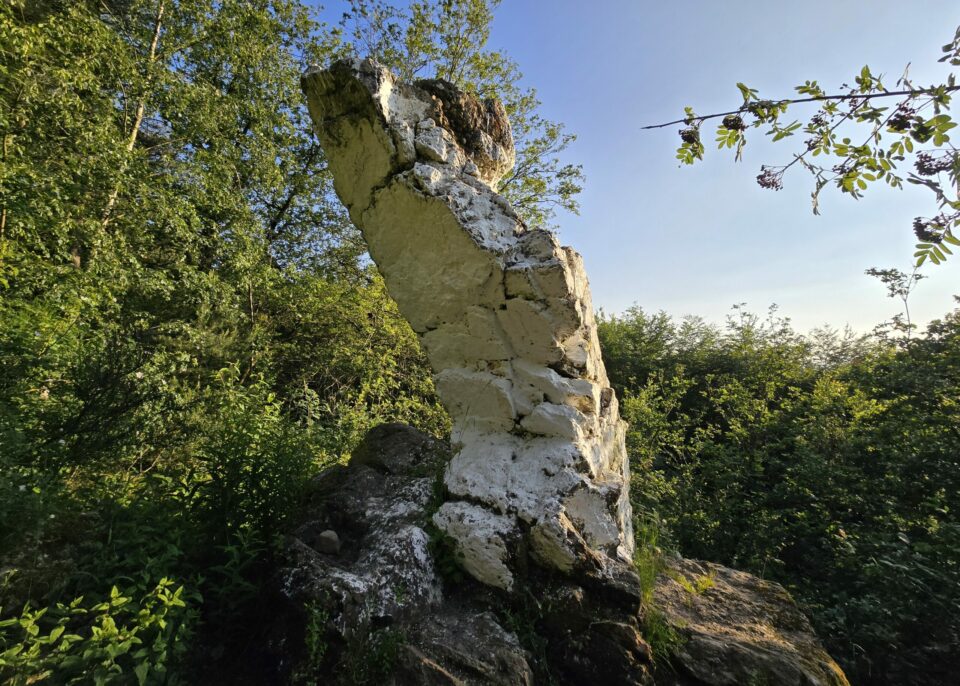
(747, 93)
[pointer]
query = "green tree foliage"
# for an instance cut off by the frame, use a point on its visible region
(825, 462)
(447, 40)
(854, 139)
(189, 326)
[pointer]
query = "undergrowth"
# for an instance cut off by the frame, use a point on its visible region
(663, 638)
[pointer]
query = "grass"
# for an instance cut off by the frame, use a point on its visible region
(663, 637)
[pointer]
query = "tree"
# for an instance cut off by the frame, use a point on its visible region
(447, 39)
(914, 130)
(188, 327)
(188, 324)
(826, 463)
(899, 285)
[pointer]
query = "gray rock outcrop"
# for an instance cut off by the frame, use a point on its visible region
(735, 629)
(504, 314)
(394, 583)
(388, 608)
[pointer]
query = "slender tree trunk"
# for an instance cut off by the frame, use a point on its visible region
(3, 210)
(906, 309)
(138, 115)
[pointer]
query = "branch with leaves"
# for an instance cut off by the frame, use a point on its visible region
(912, 131)
(447, 39)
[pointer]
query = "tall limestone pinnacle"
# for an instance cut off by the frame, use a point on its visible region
(540, 470)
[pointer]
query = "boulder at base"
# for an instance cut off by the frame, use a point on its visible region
(735, 629)
(391, 605)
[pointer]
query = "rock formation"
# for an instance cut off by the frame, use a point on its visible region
(382, 611)
(539, 470)
(530, 500)
(733, 628)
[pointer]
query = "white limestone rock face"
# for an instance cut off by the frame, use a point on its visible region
(504, 314)
(482, 539)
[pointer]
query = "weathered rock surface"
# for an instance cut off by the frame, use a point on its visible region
(539, 471)
(737, 629)
(385, 581)
(531, 499)
(378, 506)
(385, 585)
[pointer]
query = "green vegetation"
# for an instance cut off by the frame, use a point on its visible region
(845, 147)
(648, 561)
(189, 326)
(123, 637)
(824, 462)
(315, 643)
(523, 617)
(189, 329)
(663, 638)
(698, 586)
(447, 557)
(368, 660)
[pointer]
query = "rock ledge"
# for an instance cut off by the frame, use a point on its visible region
(391, 596)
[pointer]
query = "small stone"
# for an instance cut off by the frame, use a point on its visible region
(328, 542)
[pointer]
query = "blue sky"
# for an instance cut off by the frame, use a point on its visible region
(696, 240)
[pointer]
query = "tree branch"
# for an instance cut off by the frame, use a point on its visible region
(819, 98)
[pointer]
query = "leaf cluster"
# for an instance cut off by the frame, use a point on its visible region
(851, 142)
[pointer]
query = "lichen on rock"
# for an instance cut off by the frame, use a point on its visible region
(735, 628)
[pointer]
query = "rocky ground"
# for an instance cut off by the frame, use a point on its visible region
(372, 594)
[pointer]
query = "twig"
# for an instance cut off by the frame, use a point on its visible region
(819, 98)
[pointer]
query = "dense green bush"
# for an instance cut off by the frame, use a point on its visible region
(827, 462)
(188, 329)
(116, 640)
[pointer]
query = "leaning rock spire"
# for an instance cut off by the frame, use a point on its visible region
(539, 470)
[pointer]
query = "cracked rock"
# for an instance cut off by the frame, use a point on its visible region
(503, 311)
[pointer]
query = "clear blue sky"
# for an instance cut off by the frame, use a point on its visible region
(696, 240)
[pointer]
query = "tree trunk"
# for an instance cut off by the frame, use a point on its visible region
(138, 115)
